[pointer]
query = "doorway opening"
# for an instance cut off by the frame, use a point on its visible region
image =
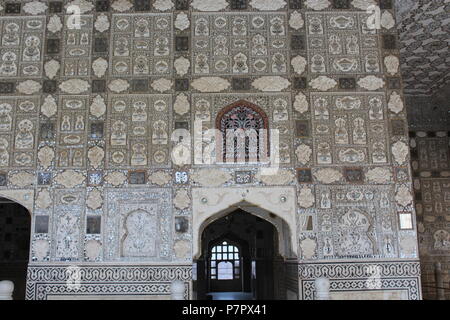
(239, 257)
(15, 233)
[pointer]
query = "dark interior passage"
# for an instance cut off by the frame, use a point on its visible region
(15, 225)
(239, 252)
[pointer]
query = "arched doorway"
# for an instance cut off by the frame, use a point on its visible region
(15, 232)
(238, 258)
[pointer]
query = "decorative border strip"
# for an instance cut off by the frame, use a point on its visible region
(352, 270)
(43, 292)
(43, 281)
(353, 276)
(410, 285)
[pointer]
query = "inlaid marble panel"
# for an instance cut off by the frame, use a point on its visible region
(350, 129)
(240, 44)
(21, 47)
(141, 45)
(342, 44)
(18, 127)
(68, 224)
(356, 221)
(139, 130)
(138, 225)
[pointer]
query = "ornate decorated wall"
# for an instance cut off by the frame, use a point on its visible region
(431, 171)
(88, 109)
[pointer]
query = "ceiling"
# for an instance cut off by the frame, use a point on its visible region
(424, 28)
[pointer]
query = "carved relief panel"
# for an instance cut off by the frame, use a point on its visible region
(139, 129)
(80, 126)
(240, 44)
(350, 129)
(21, 47)
(276, 107)
(356, 222)
(138, 225)
(76, 47)
(67, 224)
(141, 45)
(433, 153)
(18, 127)
(72, 132)
(342, 43)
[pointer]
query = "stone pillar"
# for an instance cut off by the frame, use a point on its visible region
(6, 290)
(440, 294)
(177, 290)
(322, 288)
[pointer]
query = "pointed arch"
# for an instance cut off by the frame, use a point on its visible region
(275, 205)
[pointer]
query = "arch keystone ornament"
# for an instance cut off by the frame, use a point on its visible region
(210, 204)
